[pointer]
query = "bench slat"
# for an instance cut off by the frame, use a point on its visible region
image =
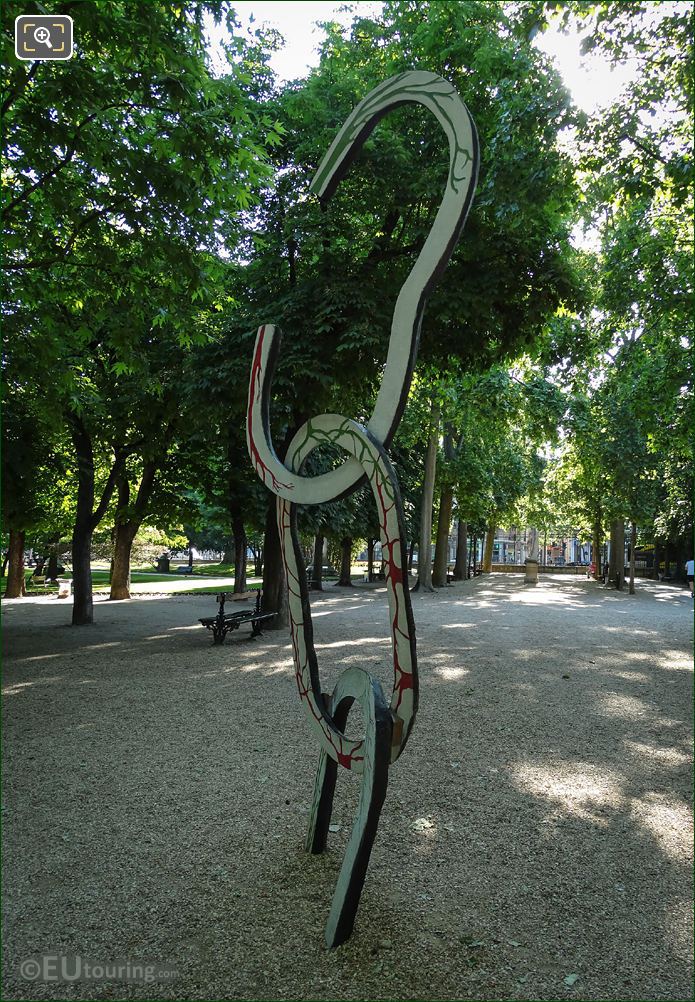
(238, 617)
(223, 622)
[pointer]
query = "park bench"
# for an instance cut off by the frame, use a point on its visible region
(326, 571)
(223, 622)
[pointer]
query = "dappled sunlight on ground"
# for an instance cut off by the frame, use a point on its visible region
(669, 820)
(537, 824)
(351, 643)
(17, 688)
(612, 704)
(43, 657)
(544, 596)
(575, 788)
(598, 796)
(676, 919)
(101, 646)
(631, 676)
(425, 827)
(676, 661)
(279, 670)
(452, 673)
(670, 756)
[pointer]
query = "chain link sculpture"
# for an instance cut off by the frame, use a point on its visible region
(387, 725)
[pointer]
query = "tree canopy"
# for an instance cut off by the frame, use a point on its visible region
(155, 213)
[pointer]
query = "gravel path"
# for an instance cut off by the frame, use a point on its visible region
(536, 829)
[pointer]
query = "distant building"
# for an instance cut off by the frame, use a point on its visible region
(511, 546)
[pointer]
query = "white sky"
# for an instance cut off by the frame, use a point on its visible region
(590, 80)
(296, 21)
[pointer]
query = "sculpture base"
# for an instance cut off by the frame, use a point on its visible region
(531, 572)
(353, 684)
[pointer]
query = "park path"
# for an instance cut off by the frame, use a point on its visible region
(169, 586)
(538, 827)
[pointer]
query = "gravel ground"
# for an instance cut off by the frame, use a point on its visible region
(536, 829)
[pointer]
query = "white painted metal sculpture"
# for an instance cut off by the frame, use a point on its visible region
(387, 725)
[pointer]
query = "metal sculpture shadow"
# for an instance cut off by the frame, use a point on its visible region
(387, 723)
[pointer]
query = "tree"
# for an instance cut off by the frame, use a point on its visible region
(119, 165)
(424, 560)
(642, 144)
(36, 494)
(323, 275)
(632, 393)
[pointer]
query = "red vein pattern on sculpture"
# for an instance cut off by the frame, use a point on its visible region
(342, 749)
(387, 727)
(353, 438)
(255, 390)
(391, 544)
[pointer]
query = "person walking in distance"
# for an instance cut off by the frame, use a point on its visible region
(689, 573)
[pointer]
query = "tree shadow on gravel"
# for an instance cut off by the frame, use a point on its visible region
(158, 789)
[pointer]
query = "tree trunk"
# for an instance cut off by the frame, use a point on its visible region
(52, 564)
(656, 560)
(87, 518)
(370, 559)
(274, 590)
(15, 586)
(345, 581)
(317, 566)
(239, 554)
(424, 561)
(474, 542)
(128, 521)
(122, 547)
(258, 562)
(83, 605)
(486, 567)
(461, 565)
(441, 549)
(596, 549)
(112, 560)
(616, 560)
(446, 504)
(633, 544)
(228, 557)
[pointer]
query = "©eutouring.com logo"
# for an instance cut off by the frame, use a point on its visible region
(72, 967)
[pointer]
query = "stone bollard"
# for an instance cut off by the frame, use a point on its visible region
(64, 587)
(531, 576)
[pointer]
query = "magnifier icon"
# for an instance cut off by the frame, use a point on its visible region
(43, 36)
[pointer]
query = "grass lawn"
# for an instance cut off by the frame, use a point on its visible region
(166, 582)
(220, 570)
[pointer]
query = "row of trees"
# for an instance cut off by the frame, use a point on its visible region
(156, 215)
